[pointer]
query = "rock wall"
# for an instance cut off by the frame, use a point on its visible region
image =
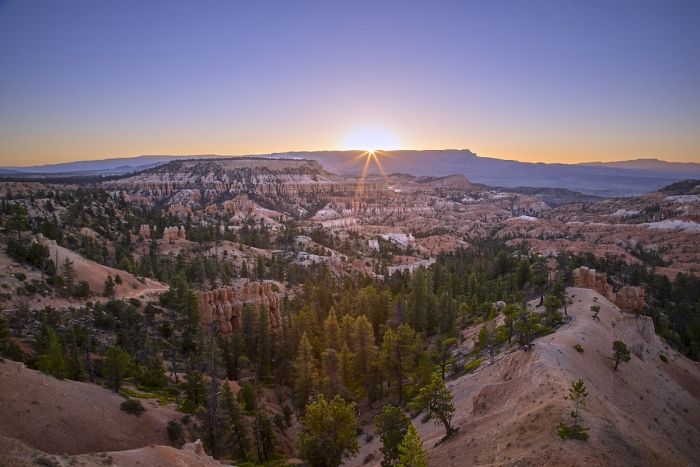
(591, 279)
(224, 305)
(629, 299)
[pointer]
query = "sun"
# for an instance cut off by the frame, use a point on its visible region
(371, 140)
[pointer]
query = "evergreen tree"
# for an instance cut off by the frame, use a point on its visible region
(331, 331)
(391, 425)
(236, 421)
(68, 273)
(435, 399)
(117, 366)
(411, 451)
(576, 430)
(305, 374)
(109, 287)
(398, 355)
(264, 344)
(329, 432)
(52, 359)
(620, 352)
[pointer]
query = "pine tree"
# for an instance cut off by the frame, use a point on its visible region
(264, 344)
(52, 360)
(435, 399)
(620, 352)
(576, 430)
(391, 425)
(68, 272)
(398, 355)
(117, 366)
(109, 287)
(331, 331)
(305, 374)
(411, 451)
(329, 432)
(236, 421)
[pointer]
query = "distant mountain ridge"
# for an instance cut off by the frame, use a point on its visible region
(621, 178)
(650, 164)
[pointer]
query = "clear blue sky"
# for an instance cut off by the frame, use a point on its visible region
(551, 81)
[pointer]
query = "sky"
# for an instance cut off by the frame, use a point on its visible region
(558, 81)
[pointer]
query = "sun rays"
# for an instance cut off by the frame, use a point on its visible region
(369, 156)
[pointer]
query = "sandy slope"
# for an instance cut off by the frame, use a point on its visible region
(95, 273)
(648, 413)
(14, 453)
(71, 417)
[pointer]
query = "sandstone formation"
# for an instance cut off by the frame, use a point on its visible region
(145, 231)
(587, 278)
(629, 298)
(224, 306)
(171, 233)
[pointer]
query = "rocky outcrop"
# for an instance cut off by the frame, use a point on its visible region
(171, 233)
(145, 231)
(629, 299)
(224, 306)
(591, 279)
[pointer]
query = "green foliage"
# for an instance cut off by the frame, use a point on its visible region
(117, 365)
(328, 433)
(109, 289)
(52, 359)
(663, 358)
(576, 430)
(411, 451)
(305, 374)
(400, 347)
(435, 399)
(132, 406)
(175, 432)
(473, 365)
(620, 353)
(578, 348)
(570, 431)
(391, 426)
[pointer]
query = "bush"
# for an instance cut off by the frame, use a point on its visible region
(174, 430)
(663, 358)
(578, 348)
(132, 406)
(566, 431)
(81, 290)
(473, 365)
(20, 276)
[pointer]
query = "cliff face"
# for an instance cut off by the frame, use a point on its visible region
(629, 299)
(199, 182)
(224, 306)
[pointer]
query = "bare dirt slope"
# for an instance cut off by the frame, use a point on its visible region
(69, 417)
(647, 413)
(95, 274)
(14, 453)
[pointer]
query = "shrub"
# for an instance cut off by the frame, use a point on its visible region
(20, 276)
(81, 289)
(663, 358)
(174, 430)
(567, 431)
(132, 406)
(473, 365)
(578, 348)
